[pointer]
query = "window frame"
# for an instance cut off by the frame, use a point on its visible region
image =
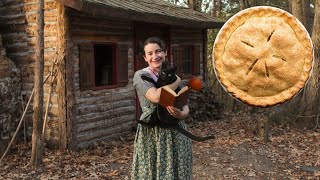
(177, 53)
(117, 55)
(192, 55)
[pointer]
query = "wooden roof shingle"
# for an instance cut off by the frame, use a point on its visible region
(152, 11)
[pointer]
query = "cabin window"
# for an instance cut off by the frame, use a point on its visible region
(187, 55)
(101, 64)
(187, 60)
(104, 60)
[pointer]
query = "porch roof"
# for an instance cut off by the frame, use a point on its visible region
(152, 11)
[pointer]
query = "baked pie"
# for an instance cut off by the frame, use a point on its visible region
(263, 56)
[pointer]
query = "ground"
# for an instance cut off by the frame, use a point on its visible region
(235, 153)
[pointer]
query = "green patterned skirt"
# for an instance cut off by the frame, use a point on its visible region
(161, 154)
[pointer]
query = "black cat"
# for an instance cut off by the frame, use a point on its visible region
(167, 75)
(161, 117)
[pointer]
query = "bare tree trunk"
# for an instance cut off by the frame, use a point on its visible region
(199, 5)
(310, 94)
(306, 14)
(216, 8)
(262, 129)
(290, 6)
(296, 6)
(195, 5)
(301, 10)
(37, 144)
(316, 44)
(191, 4)
(258, 2)
(305, 108)
(211, 80)
(244, 4)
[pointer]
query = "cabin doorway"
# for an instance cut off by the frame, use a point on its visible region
(142, 32)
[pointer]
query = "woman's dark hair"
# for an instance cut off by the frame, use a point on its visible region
(154, 40)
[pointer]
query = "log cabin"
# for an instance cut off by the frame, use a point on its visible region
(92, 49)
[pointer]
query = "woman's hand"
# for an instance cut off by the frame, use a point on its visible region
(153, 94)
(177, 113)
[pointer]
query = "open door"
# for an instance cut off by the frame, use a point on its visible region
(142, 32)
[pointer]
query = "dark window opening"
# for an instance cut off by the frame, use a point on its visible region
(104, 56)
(187, 60)
(103, 66)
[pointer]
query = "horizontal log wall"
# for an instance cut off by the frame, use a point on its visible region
(185, 36)
(18, 34)
(108, 113)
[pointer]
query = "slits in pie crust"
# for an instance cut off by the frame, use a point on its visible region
(263, 56)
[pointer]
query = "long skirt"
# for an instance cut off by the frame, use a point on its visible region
(161, 154)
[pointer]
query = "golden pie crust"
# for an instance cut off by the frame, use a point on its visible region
(263, 56)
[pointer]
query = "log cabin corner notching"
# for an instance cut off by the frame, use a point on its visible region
(96, 45)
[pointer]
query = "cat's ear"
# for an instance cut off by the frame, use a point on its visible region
(174, 68)
(164, 65)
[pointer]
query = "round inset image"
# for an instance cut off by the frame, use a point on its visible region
(263, 56)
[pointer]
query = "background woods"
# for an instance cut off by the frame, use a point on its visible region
(304, 107)
(310, 102)
(116, 104)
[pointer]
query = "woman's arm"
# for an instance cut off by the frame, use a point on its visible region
(175, 84)
(177, 113)
(153, 94)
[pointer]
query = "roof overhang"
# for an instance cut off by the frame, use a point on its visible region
(102, 10)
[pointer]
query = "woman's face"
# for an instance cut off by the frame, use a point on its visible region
(154, 55)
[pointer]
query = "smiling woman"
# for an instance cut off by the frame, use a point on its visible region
(159, 153)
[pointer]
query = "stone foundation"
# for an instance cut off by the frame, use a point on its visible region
(10, 97)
